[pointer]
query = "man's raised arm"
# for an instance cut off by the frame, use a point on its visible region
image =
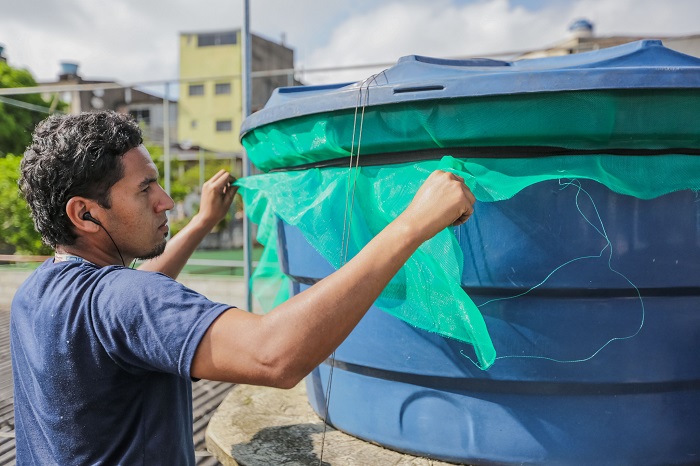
(280, 348)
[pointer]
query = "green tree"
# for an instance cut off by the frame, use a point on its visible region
(178, 190)
(19, 114)
(18, 122)
(17, 233)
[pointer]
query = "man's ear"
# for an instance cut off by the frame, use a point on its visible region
(76, 208)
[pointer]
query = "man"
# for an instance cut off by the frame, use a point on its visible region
(103, 354)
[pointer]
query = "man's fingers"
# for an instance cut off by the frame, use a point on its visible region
(220, 179)
(222, 183)
(471, 200)
(463, 218)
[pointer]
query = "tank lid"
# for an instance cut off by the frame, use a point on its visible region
(636, 65)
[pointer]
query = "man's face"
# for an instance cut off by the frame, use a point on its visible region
(137, 219)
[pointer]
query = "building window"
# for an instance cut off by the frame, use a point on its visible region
(222, 88)
(224, 126)
(193, 124)
(141, 115)
(217, 38)
(196, 89)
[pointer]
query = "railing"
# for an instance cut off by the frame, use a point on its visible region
(226, 263)
(20, 258)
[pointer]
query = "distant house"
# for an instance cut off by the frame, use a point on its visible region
(210, 103)
(145, 107)
(581, 38)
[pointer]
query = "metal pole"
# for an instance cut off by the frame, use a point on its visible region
(246, 57)
(166, 138)
(201, 167)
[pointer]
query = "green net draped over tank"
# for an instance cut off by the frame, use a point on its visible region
(582, 120)
(427, 291)
(624, 139)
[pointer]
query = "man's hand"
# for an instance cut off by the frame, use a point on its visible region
(217, 196)
(441, 201)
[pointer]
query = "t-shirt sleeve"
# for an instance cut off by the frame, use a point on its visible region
(146, 321)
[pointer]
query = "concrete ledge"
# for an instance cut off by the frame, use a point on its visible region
(259, 426)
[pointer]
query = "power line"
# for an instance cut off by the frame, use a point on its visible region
(57, 88)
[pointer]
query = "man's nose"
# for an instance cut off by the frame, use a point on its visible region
(165, 202)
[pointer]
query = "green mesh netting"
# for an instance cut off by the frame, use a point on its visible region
(426, 292)
(632, 119)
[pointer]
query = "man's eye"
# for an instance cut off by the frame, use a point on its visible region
(145, 190)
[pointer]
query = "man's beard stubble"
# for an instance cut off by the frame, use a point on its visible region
(155, 252)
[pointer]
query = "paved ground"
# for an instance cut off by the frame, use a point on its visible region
(206, 397)
(7, 418)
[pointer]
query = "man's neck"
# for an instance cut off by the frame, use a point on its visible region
(93, 255)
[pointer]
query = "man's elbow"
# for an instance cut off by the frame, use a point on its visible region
(289, 381)
(285, 372)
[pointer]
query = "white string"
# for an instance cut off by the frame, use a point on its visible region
(347, 222)
(602, 232)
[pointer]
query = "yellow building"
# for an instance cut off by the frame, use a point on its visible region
(210, 104)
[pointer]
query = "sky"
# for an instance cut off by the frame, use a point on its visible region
(132, 41)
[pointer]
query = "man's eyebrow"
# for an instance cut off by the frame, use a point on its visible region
(147, 181)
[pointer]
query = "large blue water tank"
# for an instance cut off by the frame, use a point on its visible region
(592, 299)
(592, 374)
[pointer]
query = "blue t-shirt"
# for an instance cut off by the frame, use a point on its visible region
(101, 362)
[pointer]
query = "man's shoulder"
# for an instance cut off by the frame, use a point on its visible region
(84, 282)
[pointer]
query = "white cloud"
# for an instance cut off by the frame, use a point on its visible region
(438, 29)
(442, 28)
(644, 17)
(128, 40)
(136, 40)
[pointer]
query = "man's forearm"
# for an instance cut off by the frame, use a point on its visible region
(280, 348)
(325, 314)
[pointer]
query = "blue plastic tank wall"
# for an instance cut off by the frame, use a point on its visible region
(588, 373)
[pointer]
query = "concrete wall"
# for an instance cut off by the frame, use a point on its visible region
(689, 45)
(268, 55)
(224, 289)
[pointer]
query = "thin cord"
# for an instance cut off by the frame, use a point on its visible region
(115, 244)
(347, 222)
(602, 232)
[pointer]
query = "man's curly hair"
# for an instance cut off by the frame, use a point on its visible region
(73, 155)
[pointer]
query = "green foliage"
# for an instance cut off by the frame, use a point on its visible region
(184, 175)
(178, 190)
(17, 123)
(17, 233)
(185, 179)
